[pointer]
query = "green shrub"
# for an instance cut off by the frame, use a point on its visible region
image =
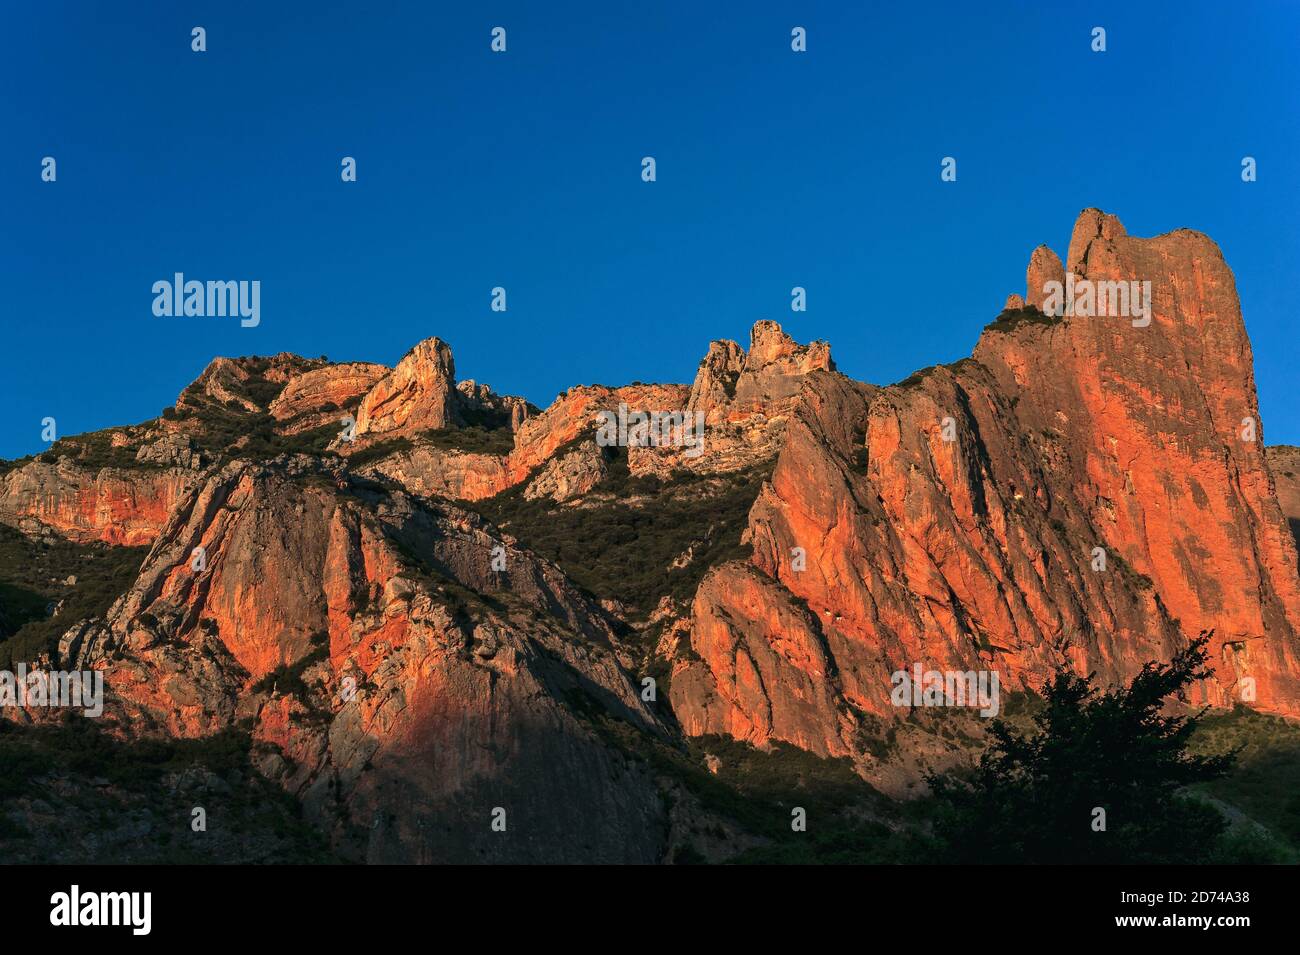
(32, 575)
(472, 440)
(378, 451)
(94, 783)
(1033, 798)
(620, 542)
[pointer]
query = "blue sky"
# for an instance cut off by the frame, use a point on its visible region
(522, 170)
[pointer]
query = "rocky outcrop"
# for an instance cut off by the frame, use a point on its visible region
(569, 475)
(732, 385)
(439, 472)
(571, 419)
(479, 404)
(765, 671)
(1161, 425)
(574, 414)
(955, 520)
(83, 504)
(415, 396)
(318, 397)
(1284, 462)
(226, 382)
(1044, 267)
(745, 399)
(401, 708)
(171, 450)
(715, 380)
(1092, 226)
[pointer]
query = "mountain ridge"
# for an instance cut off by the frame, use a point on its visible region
(953, 519)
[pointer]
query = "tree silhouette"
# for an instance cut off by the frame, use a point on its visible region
(1035, 796)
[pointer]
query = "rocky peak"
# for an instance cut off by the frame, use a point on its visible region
(979, 552)
(1091, 224)
(422, 394)
(316, 397)
(414, 396)
(768, 342)
(479, 404)
(1044, 266)
(248, 384)
(731, 384)
(715, 380)
(770, 345)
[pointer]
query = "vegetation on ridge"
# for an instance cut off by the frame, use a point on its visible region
(35, 575)
(622, 539)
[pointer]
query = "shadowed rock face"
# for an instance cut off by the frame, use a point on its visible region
(1284, 462)
(976, 553)
(400, 707)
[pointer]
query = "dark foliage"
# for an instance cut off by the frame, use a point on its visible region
(473, 439)
(95, 450)
(1033, 797)
(1013, 318)
(33, 575)
(124, 798)
(621, 541)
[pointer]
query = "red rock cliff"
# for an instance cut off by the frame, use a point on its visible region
(977, 552)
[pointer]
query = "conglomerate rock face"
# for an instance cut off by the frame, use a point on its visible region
(536, 442)
(316, 397)
(1044, 266)
(1089, 489)
(225, 380)
(952, 520)
(417, 394)
(1284, 462)
(422, 394)
(113, 505)
(401, 708)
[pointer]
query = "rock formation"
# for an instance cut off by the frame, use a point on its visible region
(978, 552)
(401, 715)
(1084, 490)
(318, 397)
(225, 381)
(415, 396)
(1284, 462)
(1044, 266)
(112, 505)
